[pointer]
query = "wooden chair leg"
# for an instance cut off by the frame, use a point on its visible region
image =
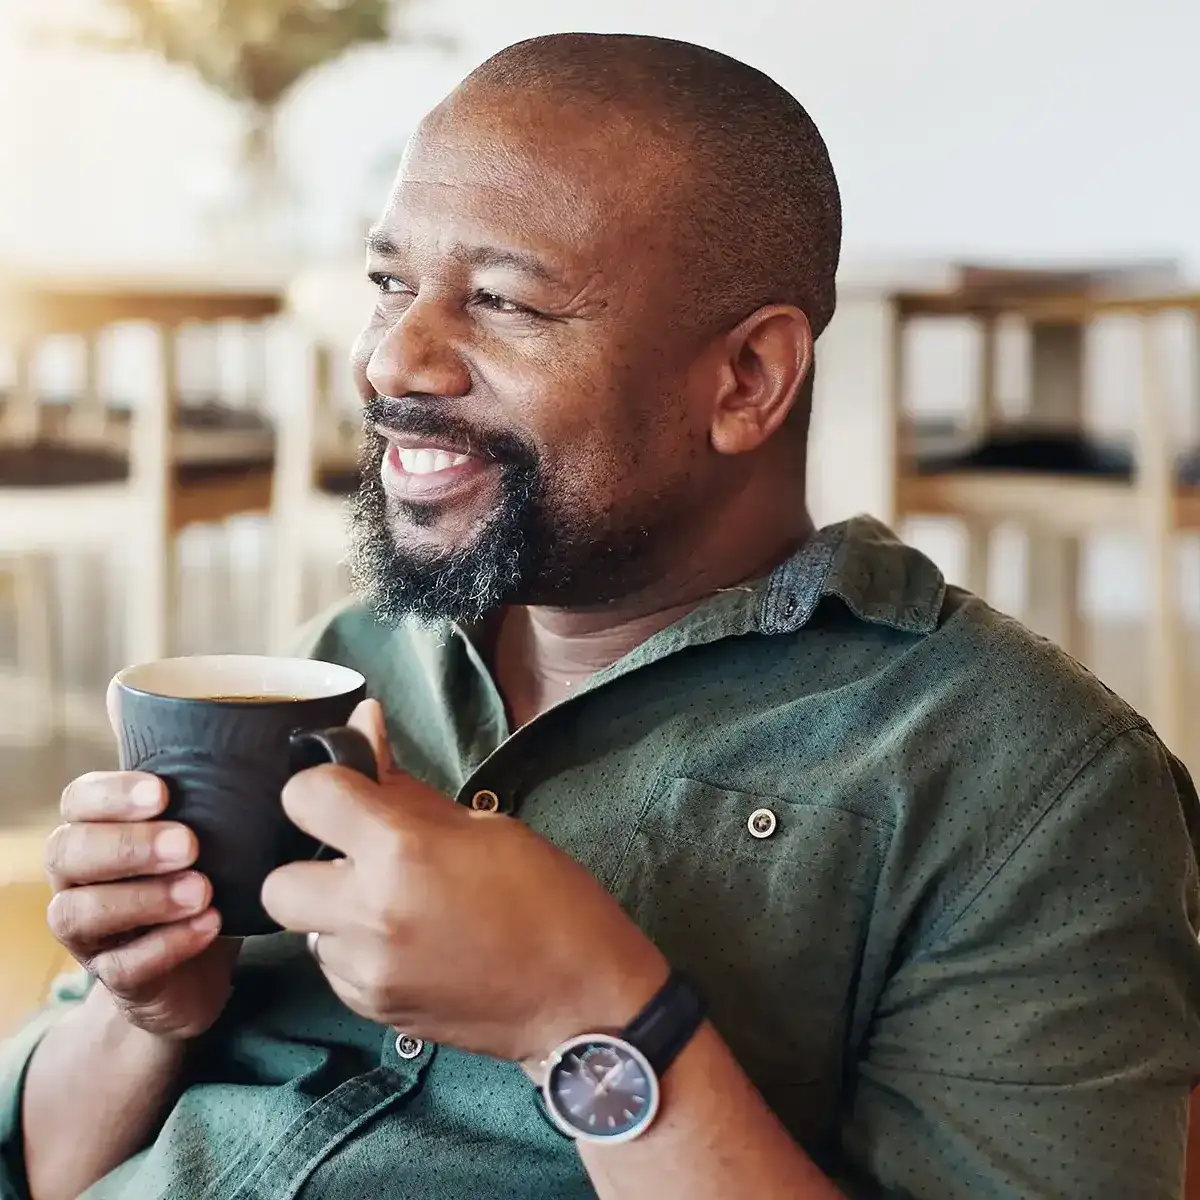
(1166, 645)
(147, 599)
(979, 554)
(37, 644)
(1053, 603)
(309, 381)
(286, 607)
(149, 586)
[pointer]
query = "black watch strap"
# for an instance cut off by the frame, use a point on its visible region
(667, 1023)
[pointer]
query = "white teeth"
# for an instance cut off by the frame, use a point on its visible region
(428, 462)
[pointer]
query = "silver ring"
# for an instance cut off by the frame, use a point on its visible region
(312, 939)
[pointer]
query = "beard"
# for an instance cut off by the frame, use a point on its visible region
(537, 546)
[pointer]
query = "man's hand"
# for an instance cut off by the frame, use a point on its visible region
(128, 909)
(457, 927)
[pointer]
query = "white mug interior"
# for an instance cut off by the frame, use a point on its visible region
(207, 676)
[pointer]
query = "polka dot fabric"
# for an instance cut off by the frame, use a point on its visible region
(937, 884)
(964, 961)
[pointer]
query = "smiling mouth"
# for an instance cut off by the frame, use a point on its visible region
(428, 461)
(420, 470)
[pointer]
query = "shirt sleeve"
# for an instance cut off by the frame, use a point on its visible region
(15, 1055)
(1044, 1044)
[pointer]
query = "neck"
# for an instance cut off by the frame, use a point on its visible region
(542, 653)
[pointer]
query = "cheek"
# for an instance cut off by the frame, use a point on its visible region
(606, 422)
(589, 425)
(615, 457)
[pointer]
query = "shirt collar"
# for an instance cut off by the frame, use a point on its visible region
(860, 562)
(863, 564)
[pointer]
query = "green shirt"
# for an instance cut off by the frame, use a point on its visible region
(964, 963)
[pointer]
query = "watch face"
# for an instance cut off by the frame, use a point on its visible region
(601, 1088)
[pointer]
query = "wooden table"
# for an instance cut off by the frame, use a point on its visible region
(157, 499)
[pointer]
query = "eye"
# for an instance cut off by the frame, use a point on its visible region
(500, 305)
(389, 285)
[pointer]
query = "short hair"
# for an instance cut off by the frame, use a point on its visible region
(762, 211)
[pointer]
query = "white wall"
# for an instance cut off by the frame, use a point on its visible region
(1064, 127)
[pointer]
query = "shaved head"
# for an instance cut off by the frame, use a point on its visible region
(754, 200)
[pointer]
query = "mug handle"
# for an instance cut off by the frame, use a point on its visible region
(342, 746)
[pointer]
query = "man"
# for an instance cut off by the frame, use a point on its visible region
(934, 887)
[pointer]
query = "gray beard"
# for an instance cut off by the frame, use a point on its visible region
(464, 585)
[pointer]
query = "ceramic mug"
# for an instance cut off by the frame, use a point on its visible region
(225, 733)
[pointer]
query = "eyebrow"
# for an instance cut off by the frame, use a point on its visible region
(480, 257)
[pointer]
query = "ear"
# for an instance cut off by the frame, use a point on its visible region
(765, 362)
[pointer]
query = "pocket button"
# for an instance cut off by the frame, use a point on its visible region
(762, 823)
(408, 1047)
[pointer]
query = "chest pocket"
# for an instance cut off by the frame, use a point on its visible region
(771, 927)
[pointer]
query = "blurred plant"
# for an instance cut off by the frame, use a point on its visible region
(252, 51)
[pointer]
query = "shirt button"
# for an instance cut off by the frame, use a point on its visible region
(485, 802)
(762, 823)
(409, 1047)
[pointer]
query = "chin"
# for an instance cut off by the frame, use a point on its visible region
(431, 529)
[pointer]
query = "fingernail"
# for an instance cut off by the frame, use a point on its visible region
(207, 922)
(147, 795)
(174, 847)
(188, 891)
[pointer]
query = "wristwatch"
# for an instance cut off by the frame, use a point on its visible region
(604, 1087)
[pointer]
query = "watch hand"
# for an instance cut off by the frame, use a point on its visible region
(610, 1077)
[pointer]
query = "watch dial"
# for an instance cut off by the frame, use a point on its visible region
(601, 1089)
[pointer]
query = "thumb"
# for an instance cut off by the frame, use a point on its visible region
(368, 719)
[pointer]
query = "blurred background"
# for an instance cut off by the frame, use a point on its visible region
(1011, 379)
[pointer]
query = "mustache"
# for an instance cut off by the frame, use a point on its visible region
(424, 417)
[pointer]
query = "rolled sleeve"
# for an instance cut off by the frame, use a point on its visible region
(1044, 1044)
(16, 1053)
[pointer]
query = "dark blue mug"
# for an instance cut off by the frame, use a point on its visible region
(225, 733)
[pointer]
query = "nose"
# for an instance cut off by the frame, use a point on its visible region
(416, 355)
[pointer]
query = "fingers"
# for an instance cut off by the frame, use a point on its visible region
(144, 960)
(342, 959)
(311, 897)
(341, 808)
(335, 955)
(113, 796)
(335, 805)
(98, 853)
(368, 719)
(85, 918)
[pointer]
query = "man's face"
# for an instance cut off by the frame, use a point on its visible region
(535, 430)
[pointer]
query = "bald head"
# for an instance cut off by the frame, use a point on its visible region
(751, 201)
